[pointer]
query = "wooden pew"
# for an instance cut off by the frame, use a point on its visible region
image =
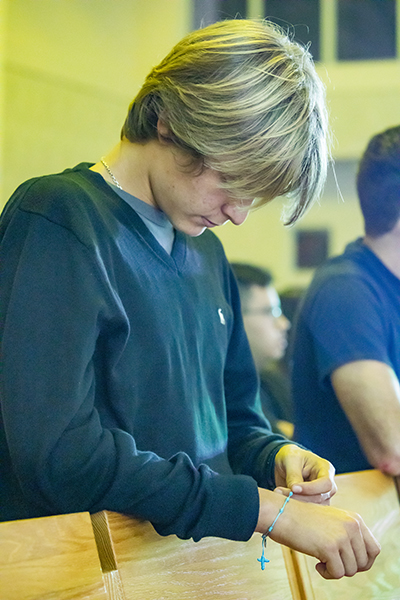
(109, 556)
(374, 496)
(139, 564)
(51, 558)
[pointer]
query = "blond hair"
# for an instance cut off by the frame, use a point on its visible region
(246, 100)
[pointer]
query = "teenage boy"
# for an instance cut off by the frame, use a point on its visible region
(127, 381)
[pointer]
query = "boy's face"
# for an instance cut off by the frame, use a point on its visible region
(192, 201)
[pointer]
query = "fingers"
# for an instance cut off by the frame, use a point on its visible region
(323, 487)
(304, 473)
(323, 570)
(344, 563)
(353, 557)
(326, 497)
(317, 498)
(356, 554)
(333, 568)
(359, 552)
(372, 545)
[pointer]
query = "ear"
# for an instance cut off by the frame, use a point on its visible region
(163, 131)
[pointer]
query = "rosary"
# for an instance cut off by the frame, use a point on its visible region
(262, 559)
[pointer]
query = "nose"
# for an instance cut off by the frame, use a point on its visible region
(283, 322)
(235, 213)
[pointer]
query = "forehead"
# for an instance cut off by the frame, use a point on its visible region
(263, 296)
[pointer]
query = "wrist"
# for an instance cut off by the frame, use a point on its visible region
(270, 505)
(263, 559)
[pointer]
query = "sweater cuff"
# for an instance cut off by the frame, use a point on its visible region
(233, 510)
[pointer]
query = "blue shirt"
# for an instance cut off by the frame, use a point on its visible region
(351, 312)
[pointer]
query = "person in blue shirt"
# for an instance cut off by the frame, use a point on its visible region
(127, 380)
(346, 359)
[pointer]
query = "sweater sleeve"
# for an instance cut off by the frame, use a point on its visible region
(252, 444)
(55, 304)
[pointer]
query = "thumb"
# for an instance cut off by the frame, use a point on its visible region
(294, 475)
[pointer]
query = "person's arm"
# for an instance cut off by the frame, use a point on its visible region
(339, 539)
(369, 393)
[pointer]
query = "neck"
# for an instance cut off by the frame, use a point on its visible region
(261, 363)
(387, 249)
(128, 163)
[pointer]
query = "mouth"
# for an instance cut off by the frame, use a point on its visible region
(210, 224)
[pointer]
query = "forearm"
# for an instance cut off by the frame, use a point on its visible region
(369, 394)
(270, 505)
(383, 453)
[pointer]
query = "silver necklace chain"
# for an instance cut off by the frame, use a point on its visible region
(111, 174)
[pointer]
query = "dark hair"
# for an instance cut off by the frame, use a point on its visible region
(248, 275)
(378, 182)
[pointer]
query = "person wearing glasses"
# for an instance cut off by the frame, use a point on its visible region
(127, 383)
(267, 331)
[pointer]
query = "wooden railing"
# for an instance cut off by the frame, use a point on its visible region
(51, 558)
(109, 556)
(375, 497)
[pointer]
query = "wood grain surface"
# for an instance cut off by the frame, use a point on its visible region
(51, 558)
(153, 567)
(374, 496)
(114, 557)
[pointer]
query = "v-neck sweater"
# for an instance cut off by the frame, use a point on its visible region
(127, 380)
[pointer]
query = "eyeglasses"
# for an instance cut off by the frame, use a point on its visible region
(268, 311)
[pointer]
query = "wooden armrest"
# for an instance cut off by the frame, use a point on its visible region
(153, 567)
(51, 558)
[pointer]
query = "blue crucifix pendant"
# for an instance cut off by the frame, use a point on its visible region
(263, 560)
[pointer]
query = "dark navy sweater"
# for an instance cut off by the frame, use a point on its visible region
(127, 380)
